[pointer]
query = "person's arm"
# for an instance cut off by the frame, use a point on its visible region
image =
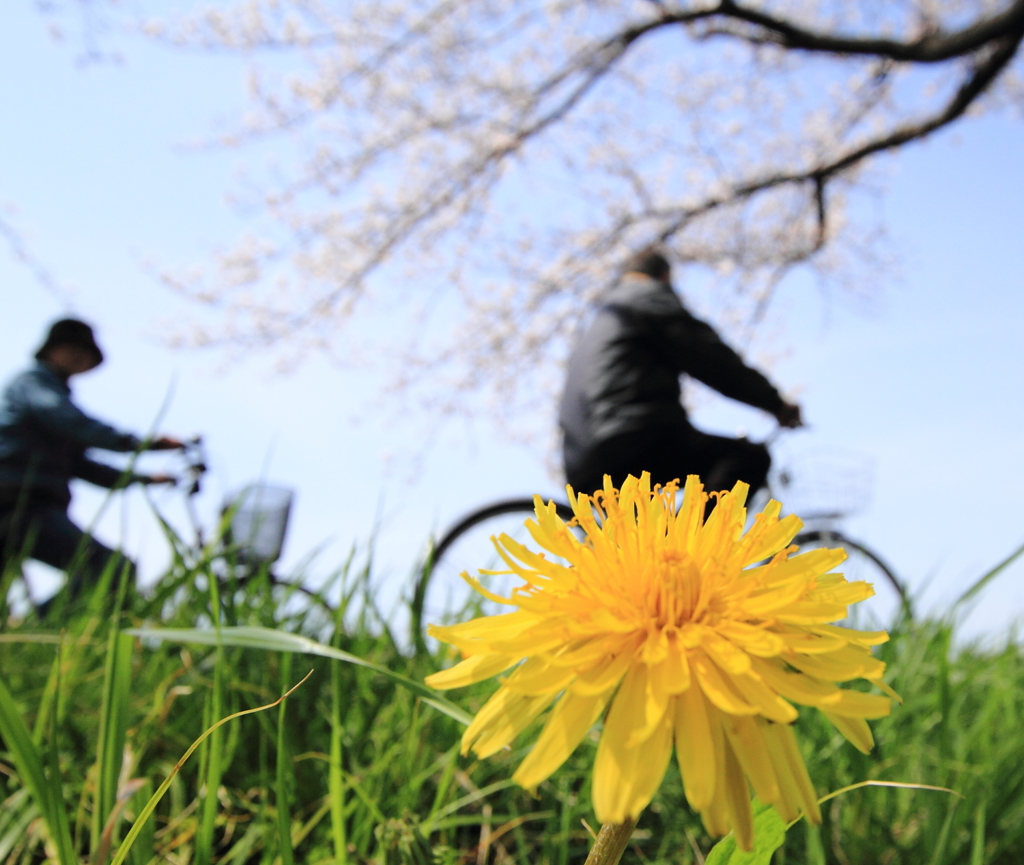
(53, 409)
(700, 352)
(103, 475)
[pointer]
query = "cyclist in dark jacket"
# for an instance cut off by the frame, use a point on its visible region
(621, 412)
(44, 437)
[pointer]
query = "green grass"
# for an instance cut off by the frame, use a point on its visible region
(361, 763)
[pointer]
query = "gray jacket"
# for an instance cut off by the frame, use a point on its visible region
(44, 436)
(623, 375)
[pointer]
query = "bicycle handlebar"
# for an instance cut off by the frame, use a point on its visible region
(194, 454)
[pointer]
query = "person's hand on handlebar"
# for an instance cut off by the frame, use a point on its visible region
(789, 416)
(166, 443)
(157, 479)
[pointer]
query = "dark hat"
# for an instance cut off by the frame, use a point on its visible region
(70, 331)
(650, 261)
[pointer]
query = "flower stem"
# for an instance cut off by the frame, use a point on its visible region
(611, 843)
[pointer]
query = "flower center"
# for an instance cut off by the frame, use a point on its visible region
(677, 592)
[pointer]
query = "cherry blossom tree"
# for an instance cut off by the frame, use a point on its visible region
(480, 170)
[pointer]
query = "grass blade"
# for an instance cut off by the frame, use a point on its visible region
(145, 847)
(113, 729)
(30, 638)
(147, 811)
(45, 792)
(18, 818)
(978, 836)
(988, 577)
(214, 748)
(282, 641)
(214, 771)
(282, 777)
(336, 778)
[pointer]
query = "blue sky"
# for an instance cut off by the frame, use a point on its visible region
(97, 171)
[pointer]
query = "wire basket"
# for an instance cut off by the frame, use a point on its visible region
(259, 520)
(825, 484)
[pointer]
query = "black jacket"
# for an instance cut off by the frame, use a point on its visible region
(623, 375)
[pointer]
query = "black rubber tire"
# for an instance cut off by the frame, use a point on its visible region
(497, 509)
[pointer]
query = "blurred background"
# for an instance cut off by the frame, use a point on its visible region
(102, 178)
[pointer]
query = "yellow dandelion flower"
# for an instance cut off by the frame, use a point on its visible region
(685, 632)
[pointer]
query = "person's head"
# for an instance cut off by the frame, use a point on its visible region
(70, 347)
(650, 262)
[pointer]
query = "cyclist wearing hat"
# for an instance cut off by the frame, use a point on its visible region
(44, 437)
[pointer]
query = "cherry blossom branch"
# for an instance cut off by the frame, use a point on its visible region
(930, 47)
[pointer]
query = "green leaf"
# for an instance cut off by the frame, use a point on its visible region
(282, 641)
(769, 833)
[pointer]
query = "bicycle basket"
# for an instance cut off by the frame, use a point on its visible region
(259, 520)
(824, 484)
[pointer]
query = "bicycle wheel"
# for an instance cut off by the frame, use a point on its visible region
(441, 595)
(862, 563)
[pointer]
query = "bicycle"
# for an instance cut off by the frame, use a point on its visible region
(463, 547)
(253, 526)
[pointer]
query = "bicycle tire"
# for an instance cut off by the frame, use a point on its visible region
(497, 509)
(442, 547)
